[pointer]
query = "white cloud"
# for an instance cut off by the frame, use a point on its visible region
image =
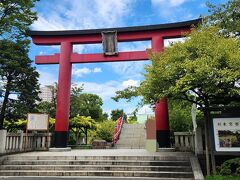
(168, 42)
(79, 72)
(47, 24)
(172, 10)
(129, 69)
(97, 70)
(104, 90)
(172, 3)
(134, 46)
(146, 109)
(130, 82)
(46, 78)
(83, 15)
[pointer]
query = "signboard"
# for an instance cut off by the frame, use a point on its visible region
(109, 41)
(227, 134)
(37, 122)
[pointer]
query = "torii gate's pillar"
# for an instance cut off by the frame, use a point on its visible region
(63, 96)
(161, 107)
(162, 123)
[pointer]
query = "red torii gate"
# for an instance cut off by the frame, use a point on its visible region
(155, 33)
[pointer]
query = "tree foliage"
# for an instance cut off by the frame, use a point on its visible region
(19, 78)
(205, 70)
(180, 118)
(47, 108)
(105, 130)
(82, 124)
(21, 124)
(15, 17)
(128, 93)
(16, 73)
(86, 104)
(226, 16)
(206, 66)
(117, 113)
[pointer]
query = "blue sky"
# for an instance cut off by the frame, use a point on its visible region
(104, 79)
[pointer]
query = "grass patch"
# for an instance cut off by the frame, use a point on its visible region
(81, 146)
(222, 177)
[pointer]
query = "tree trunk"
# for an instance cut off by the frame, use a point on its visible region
(206, 145)
(77, 136)
(4, 104)
(86, 135)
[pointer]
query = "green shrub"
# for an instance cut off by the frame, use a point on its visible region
(106, 130)
(225, 171)
(230, 167)
(218, 177)
(238, 171)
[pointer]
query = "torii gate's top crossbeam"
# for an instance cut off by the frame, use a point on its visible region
(155, 33)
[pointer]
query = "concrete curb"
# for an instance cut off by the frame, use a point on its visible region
(197, 172)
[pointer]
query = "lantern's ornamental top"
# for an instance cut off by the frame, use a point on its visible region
(119, 30)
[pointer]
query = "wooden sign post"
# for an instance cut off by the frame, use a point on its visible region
(36, 122)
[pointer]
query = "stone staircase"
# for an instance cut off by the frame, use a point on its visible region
(140, 167)
(133, 136)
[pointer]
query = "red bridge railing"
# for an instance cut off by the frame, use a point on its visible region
(117, 130)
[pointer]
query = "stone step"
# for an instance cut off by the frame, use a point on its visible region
(98, 167)
(97, 162)
(97, 177)
(176, 157)
(169, 174)
(133, 136)
(131, 145)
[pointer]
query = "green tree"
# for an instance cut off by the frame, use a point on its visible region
(105, 130)
(21, 124)
(47, 108)
(105, 116)
(226, 16)
(82, 124)
(75, 101)
(86, 104)
(15, 17)
(13, 126)
(204, 70)
(180, 118)
(19, 78)
(206, 66)
(132, 119)
(128, 93)
(117, 113)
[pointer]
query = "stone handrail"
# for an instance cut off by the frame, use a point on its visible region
(20, 142)
(184, 141)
